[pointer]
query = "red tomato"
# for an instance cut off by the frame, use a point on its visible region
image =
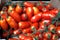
(34, 25)
(12, 22)
(22, 37)
(12, 39)
(28, 4)
(45, 9)
(24, 25)
(54, 37)
(27, 30)
(16, 32)
(36, 10)
(15, 15)
(58, 30)
(29, 12)
(28, 38)
(48, 22)
(24, 9)
(47, 35)
(52, 28)
(24, 17)
(36, 18)
(40, 7)
(18, 9)
(4, 24)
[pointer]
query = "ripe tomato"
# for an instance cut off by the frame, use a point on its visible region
(45, 9)
(3, 14)
(54, 37)
(15, 15)
(47, 35)
(23, 25)
(48, 22)
(4, 24)
(24, 9)
(28, 38)
(16, 32)
(29, 12)
(22, 37)
(52, 28)
(36, 10)
(12, 22)
(12, 39)
(34, 25)
(28, 4)
(27, 30)
(36, 18)
(58, 30)
(24, 17)
(18, 9)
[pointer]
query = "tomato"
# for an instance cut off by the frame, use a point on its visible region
(29, 12)
(24, 17)
(40, 7)
(58, 30)
(18, 9)
(52, 28)
(48, 22)
(28, 38)
(15, 15)
(34, 25)
(4, 24)
(54, 37)
(16, 32)
(36, 18)
(23, 25)
(22, 37)
(3, 14)
(24, 9)
(27, 30)
(12, 22)
(45, 9)
(12, 39)
(47, 35)
(28, 4)
(36, 10)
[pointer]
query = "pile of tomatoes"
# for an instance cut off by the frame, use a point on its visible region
(31, 21)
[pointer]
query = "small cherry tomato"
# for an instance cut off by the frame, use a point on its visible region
(45, 9)
(29, 12)
(15, 15)
(52, 28)
(12, 22)
(18, 9)
(54, 37)
(36, 10)
(24, 17)
(28, 4)
(47, 35)
(23, 25)
(58, 30)
(4, 24)
(36, 18)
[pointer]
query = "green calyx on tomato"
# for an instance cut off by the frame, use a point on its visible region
(56, 37)
(53, 31)
(36, 38)
(9, 11)
(49, 36)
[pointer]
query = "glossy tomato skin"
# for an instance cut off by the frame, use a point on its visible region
(23, 25)
(47, 35)
(4, 24)
(24, 17)
(28, 4)
(36, 18)
(58, 30)
(36, 10)
(12, 22)
(28, 38)
(17, 32)
(15, 15)
(12, 39)
(34, 25)
(29, 12)
(52, 28)
(27, 30)
(18, 9)
(54, 37)
(22, 37)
